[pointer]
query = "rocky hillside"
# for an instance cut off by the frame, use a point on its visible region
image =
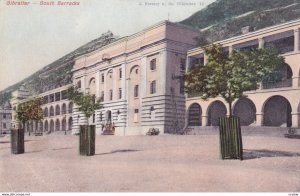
(225, 18)
(57, 73)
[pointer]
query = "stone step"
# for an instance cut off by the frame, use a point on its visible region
(246, 131)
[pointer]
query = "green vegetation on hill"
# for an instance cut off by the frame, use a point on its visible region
(225, 18)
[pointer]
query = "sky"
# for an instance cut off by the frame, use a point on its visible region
(34, 35)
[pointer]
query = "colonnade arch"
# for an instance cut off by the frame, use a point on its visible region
(245, 109)
(215, 110)
(194, 115)
(277, 112)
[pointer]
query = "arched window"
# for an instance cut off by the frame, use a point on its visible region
(70, 107)
(153, 87)
(46, 112)
(153, 64)
(51, 111)
(136, 90)
(57, 110)
(64, 109)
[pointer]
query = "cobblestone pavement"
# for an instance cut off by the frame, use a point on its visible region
(150, 163)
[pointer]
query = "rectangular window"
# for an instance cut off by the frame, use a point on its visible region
(136, 90)
(102, 78)
(110, 94)
(57, 96)
(51, 98)
(120, 93)
(120, 73)
(4, 125)
(153, 64)
(153, 87)
(4, 116)
(135, 117)
(64, 95)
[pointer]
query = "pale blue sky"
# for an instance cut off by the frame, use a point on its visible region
(33, 36)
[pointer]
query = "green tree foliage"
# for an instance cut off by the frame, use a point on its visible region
(87, 103)
(29, 110)
(230, 76)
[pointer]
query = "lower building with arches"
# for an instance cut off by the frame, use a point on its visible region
(274, 104)
(57, 110)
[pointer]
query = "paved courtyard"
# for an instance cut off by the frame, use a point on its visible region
(150, 163)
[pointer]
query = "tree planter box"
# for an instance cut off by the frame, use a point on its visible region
(17, 141)
(87, 140)
(231, 145)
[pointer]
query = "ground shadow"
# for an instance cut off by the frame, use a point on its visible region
(118, 151)
(6, 142)
(256, 154)
(62, 148)
(35, 151)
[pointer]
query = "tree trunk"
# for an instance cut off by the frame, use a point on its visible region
(230, 108)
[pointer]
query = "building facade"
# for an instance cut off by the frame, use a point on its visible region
(137, 76)
(274, 104)
(5, 118)
(57, 110)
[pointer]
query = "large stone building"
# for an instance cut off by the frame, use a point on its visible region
(136, 76)
(275, 104)
(5, 118)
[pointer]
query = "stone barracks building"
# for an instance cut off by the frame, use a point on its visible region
(136, 76)
(275, 104)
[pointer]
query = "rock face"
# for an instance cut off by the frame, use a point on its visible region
(224, 19)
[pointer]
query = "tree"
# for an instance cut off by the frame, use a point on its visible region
(29, 110)
(229, 76)
(87, 103)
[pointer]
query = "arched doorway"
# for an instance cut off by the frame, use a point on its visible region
(41, 126)
(246, 110)
(70, 123)
(277, 112)
(195, 114)
(51, 126)
(63, 125)
(57, 125)
(216, 110)
(108, 116)
(46, 126)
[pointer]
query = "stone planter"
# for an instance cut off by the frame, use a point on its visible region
(17, 141)
(87, 140)
(231, 146)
